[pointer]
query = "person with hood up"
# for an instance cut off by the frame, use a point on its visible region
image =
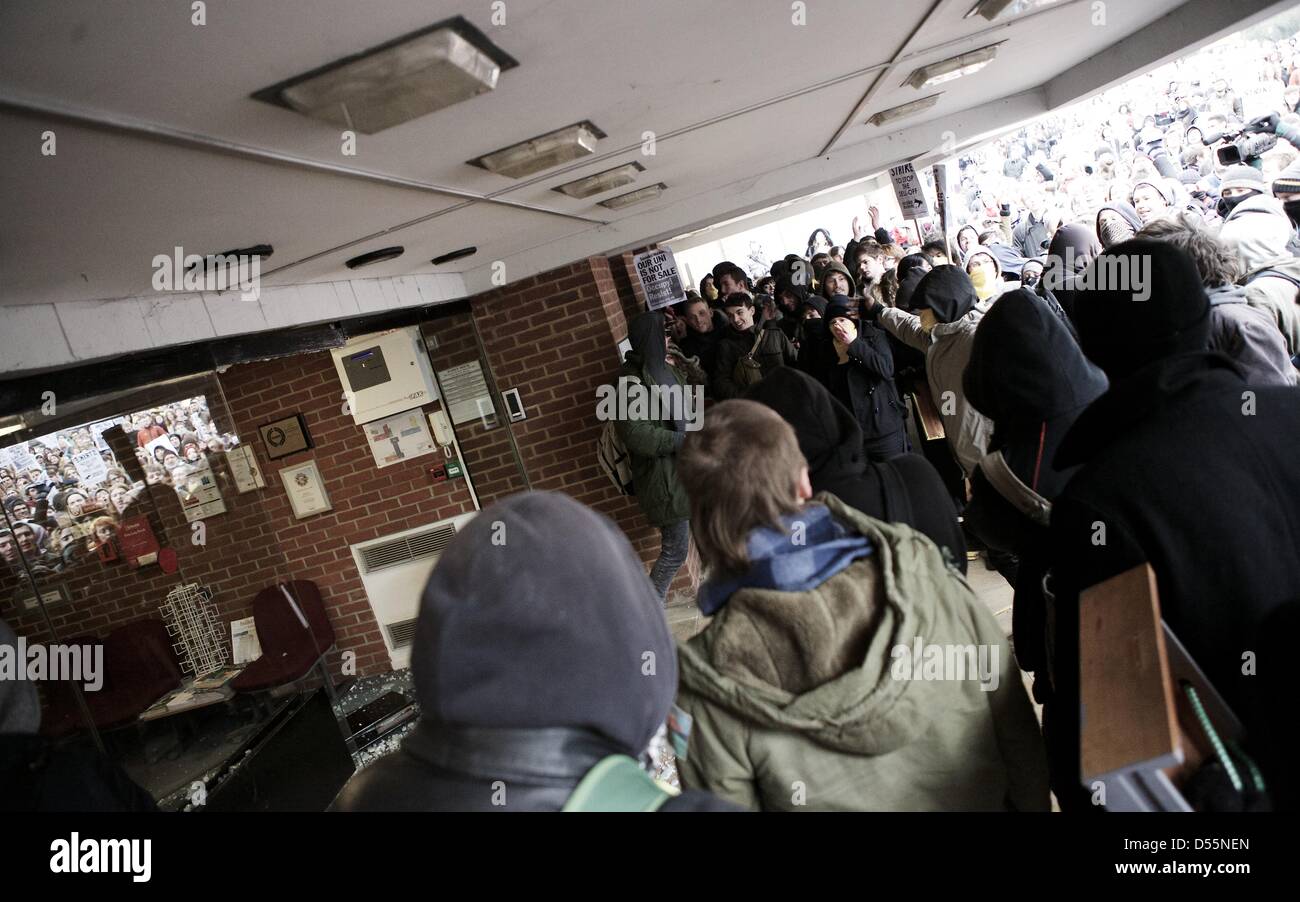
(40, 775)
(1153, 198)
(944, 331)
(653, 446)
(1259, 229)
(1073, 247)
(1116, 222)
(1246, 334)
(836, 279)
(1174, 471)
(1026, 374)
(968, 238)
(790, 298)
(904, 489)
(985, 272)
(529, 664)
(745, 336)
(800, 691)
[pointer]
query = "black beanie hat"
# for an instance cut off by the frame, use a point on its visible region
(540, 614)
(1162, 311)
(946, 290)
(840, 306)
(883, 237)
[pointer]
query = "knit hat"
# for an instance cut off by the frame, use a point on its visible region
(1242, 176)
(1260, 229)
(840, 307)
(1159, 310)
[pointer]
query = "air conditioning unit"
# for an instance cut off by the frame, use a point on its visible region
(394, 570)
(385, 373)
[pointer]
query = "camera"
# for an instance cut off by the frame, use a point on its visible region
(1239, 146)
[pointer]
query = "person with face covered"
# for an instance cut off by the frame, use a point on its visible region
(1182, 481)
(529, 666)
(1028, 376)
(1073, 247)
(944, 330)
(985, 274)
(1116, 222)
(861, 377)
(653, 446)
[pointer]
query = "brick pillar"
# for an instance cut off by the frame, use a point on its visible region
(554, 337)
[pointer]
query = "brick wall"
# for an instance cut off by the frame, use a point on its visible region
(554, 337)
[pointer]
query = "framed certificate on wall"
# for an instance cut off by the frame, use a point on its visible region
(306, 489)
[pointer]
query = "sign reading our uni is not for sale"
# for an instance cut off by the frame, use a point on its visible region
(660, 281)
(907, 188)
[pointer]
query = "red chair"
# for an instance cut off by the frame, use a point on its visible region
(294, 633)
(139, 669)
(61, 714)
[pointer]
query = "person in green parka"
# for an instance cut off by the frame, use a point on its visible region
(653, 443)
(847, 666)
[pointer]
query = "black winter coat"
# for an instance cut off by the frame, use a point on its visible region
(1182, 476)
(773, 351)
(445, 768)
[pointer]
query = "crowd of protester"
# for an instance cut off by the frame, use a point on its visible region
(57, 514)
(881, 413)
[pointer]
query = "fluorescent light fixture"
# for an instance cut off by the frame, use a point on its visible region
(13, 427)
(953, 67)
(992, 9)
(396, 82)
(904, 110)
(543, 152)
(602, 181)
(650, 192)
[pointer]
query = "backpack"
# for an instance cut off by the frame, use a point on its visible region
(614, 459)
(748, 370)
(617, 783)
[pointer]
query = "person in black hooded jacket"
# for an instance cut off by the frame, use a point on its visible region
(903, 489)
(861, 376)
(1028, 376)
(1184, 466)
(530, 666)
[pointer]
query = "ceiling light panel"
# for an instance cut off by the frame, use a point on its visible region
(904, 110)
(543, 152)
(953, 67)
(650, 192)
(399, 81)
(602, 181)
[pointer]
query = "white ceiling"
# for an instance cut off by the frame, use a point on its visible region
(707, 78)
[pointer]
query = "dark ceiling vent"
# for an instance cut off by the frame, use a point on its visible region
(454, 255)
(379, 256)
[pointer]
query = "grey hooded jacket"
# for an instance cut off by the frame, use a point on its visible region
(1250, 336)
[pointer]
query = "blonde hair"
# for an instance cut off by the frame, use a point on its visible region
(741, 471)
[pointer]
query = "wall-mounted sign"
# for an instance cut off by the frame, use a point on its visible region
(464, 391)
(398, 438)
(243, 466)
(196, 487)
(657, 271)
(306, 489)
(139, 544)
(285, 436)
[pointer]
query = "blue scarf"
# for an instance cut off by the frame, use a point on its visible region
(776, 562)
